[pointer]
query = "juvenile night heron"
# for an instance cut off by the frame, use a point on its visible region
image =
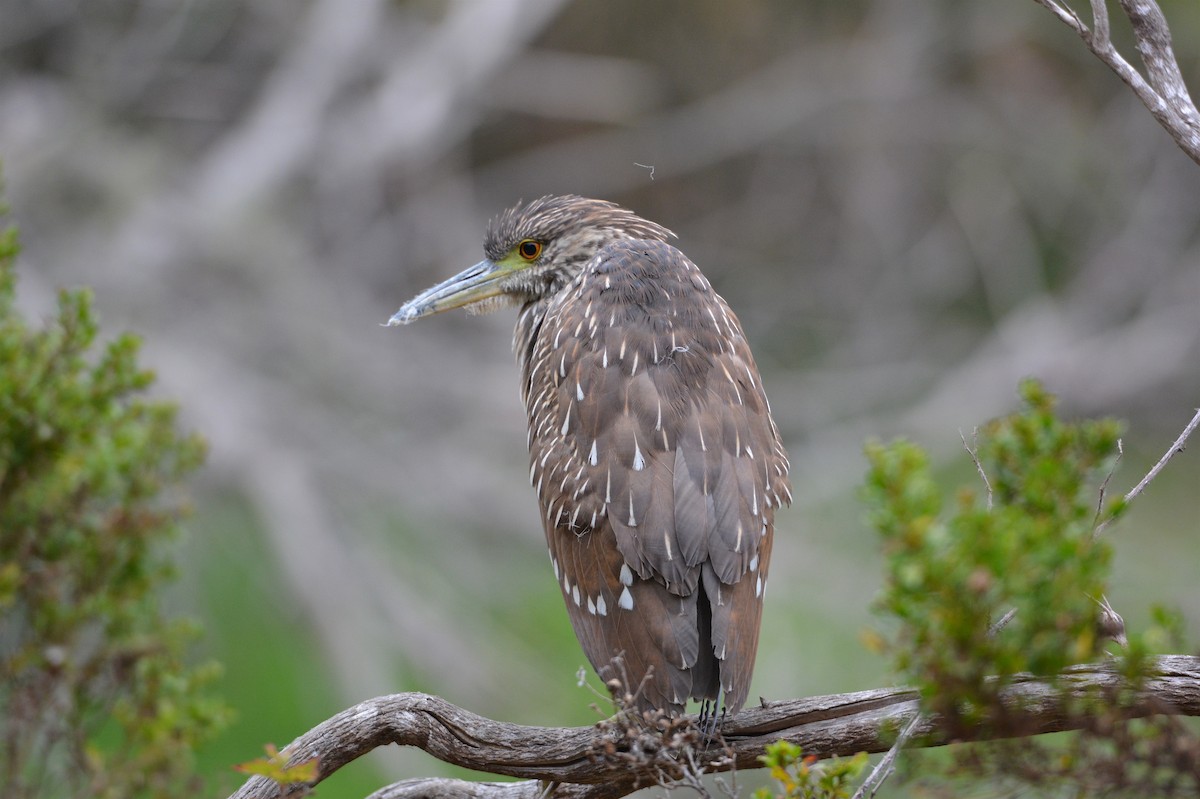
(657, 465)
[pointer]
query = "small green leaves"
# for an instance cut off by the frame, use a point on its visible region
(952, 575)
(802, 777)
(275, 768)
(99, 698)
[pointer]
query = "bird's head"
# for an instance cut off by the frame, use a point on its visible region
(532, 250)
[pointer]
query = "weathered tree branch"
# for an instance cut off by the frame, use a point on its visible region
(1163, 90)
(572, 760)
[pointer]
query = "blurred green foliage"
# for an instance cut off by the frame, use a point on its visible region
(96, 698)
(275, 768)
(1028, 547)
(1007, 583)
(800, 777)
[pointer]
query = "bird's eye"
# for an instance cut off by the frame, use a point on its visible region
(529, 249)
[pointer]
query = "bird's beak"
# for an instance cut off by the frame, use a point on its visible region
(482, 281)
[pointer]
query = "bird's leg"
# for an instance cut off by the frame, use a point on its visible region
(708, 721)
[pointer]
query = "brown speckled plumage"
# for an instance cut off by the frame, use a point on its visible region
(655, 460)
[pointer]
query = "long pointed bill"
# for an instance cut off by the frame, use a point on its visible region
(480, 282)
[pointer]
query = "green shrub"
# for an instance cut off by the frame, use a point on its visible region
(1024, 542)
(96, 699)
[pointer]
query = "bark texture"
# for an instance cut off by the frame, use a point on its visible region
(580, 762)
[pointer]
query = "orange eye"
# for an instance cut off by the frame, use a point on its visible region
(529, 249)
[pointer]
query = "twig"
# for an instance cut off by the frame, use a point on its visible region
(1104, 490)
(1002, 622)
(978, 466)
(1175, 448)
(1066, 14)
(1110, 624)
(646, 166)
(691, 777)
(884, 768)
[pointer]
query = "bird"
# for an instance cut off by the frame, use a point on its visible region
(656, 462)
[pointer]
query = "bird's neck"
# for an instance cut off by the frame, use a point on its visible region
(529, 323)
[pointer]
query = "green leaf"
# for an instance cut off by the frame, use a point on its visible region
(275, 768)
(955, 568)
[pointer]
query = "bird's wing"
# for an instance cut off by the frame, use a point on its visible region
(648, 424)
(631, 629)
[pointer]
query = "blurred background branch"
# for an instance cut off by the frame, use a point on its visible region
(910, 206)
